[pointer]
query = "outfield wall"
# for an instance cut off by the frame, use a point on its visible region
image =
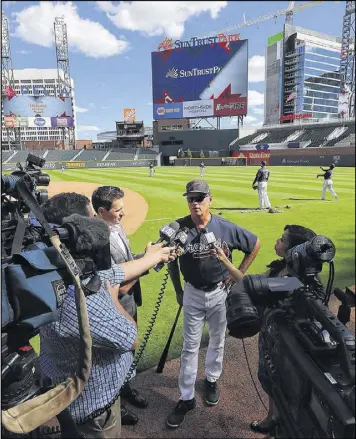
(87, 164)
(342, 156)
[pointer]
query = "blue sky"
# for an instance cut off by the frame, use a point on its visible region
(110, 45)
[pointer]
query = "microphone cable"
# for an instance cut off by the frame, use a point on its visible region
(253, 381)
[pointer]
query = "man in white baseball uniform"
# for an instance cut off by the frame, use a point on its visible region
(204, 294)
(261, 179)
(328, 183)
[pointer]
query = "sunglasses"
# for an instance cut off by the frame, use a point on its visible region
(197, 199)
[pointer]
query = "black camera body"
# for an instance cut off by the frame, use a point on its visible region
(308, 354)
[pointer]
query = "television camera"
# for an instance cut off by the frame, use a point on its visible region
(28, 303)
(309, 353)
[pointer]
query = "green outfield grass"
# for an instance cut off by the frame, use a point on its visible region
(231, 190)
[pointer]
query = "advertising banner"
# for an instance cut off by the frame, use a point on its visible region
(205, 71)
(39, 122)
(252, 154)
(22, 122)
(37, 106)
(129, 114)
(168, 111)
(10, 122)
(62, 122)
(296, 116)
(233, 106)
(203, 108)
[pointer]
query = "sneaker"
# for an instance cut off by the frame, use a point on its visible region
(212, 394)
(176, 418)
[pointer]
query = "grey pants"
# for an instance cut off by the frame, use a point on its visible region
(105, 426)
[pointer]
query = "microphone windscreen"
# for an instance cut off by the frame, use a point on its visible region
(174, 225)
(92, 233)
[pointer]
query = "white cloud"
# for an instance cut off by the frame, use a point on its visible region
(35, 25)
(255, 99)
(91, 105)
(258, 110)
(104, 107)
(80, 109)
(158, 18)
(256, 69)
(84, 128)
(24, 52)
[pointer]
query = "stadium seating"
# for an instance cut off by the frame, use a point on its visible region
(90, 154)
(21, 156)
(5, 155)
(146, 154)
(314, 135)
(125, 154)
(60, 156)
(350, 130)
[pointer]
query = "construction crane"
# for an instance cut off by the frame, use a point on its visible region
(288, 12)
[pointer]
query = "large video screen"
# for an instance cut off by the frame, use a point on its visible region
(37, 106)
(201, 81)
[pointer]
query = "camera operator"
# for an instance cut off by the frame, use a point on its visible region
(293, 235)
(113, 331)
(108, 202)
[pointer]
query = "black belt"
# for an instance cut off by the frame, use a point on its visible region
(207, 288)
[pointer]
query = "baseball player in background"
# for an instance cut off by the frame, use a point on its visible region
(261, 179)
(328, 183)
(202, 169)
(204, 294)
(152, 170)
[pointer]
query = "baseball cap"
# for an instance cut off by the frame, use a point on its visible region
(263, 163)
(197, 186)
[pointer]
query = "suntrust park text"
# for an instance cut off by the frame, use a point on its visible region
(194, 41)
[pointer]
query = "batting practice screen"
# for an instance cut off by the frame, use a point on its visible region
(202, 81)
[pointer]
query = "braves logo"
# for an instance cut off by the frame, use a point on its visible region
(166, 44)
(172, 73)
(202, 251)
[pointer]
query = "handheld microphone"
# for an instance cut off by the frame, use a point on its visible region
(181, 239)
(208, 238)
(177, 237)
(167, 232)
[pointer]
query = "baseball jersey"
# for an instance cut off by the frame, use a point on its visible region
(328, 174)
(202, 165)
(198, 266)
(262, 175)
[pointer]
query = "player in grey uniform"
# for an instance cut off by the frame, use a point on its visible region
(261, 179)
(204, 294)
(202, 169)
(328, 183)
(152, 170)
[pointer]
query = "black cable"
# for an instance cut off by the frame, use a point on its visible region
(330, 282)
(139, 352)
(254, 384)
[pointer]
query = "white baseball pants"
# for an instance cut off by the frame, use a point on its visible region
(328, 184)
(199, 307)
(262, 195)
(202, 170)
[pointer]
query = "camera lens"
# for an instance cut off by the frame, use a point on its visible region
(243, 319)
(43, 180)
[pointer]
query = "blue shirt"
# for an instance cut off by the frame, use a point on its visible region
(112, 335)
(197, 265)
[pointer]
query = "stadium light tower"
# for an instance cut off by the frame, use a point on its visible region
(7, 73)
(347, 59)
(64, 80)
(7, 76)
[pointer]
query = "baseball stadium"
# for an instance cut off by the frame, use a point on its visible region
(298, 167)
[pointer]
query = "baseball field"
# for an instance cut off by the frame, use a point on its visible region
(161, 202)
